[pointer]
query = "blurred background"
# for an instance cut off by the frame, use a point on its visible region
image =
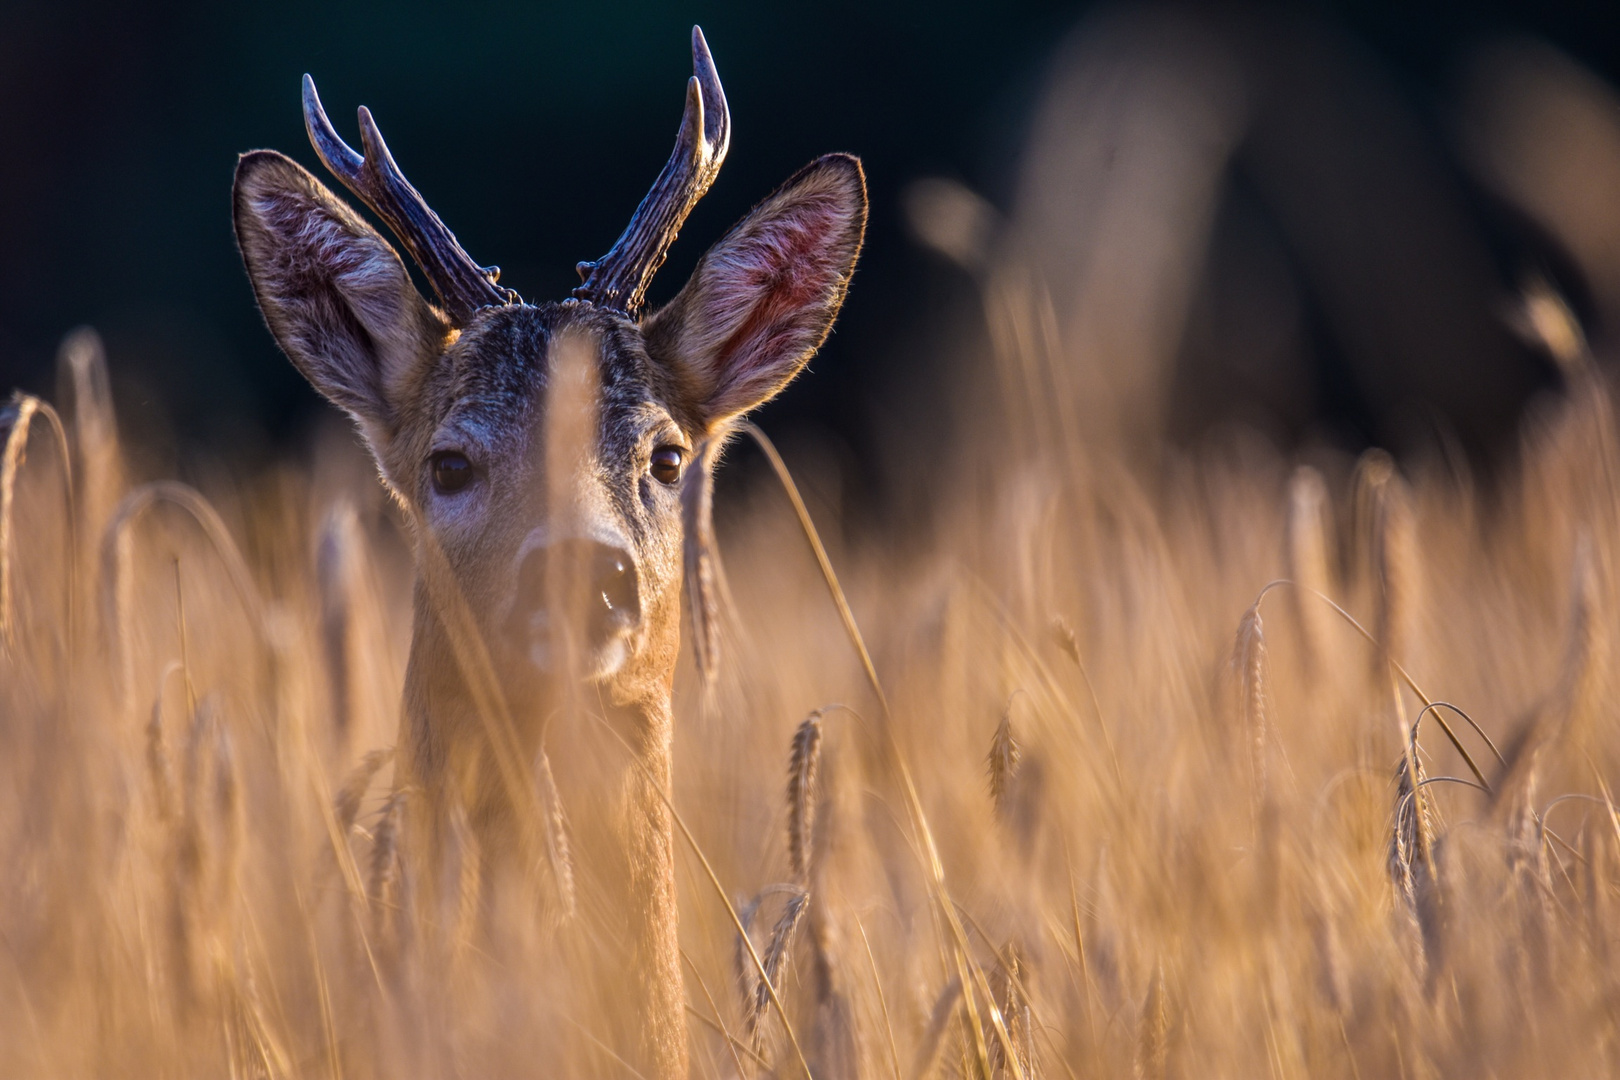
(1317, 221)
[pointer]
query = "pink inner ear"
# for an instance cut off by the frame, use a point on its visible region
(784, 277)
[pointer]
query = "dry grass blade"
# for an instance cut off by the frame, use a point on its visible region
(734, 1046)
(116, 558)
(973, 980)
(758, 965)
(477, 671)
(1404, 676)
(1071, 648)
(882, 999)
(802, 512)
(955, 945)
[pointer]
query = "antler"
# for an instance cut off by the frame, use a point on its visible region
(619, 279)
(463, 286)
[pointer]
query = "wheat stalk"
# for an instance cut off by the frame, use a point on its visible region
(157, 755)
(778, 949)
(466, 856)
(383, 883)
(804, 761)
(1153, 1030)
(1003, 759)
(933, 1033)
(559, 854)
(1249, 663)
(336, 554)
(17, 420)
(82, 378)
(1017, 1013)
(346, 804)
(1310, 561)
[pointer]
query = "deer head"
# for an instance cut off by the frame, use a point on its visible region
(460, 401)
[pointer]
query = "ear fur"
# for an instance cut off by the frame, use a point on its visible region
(334, 293)
(763, 299)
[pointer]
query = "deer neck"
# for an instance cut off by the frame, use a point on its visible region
(440, 719)
(442, 714)
(650, 846)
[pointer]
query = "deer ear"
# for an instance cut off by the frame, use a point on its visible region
(762, 300)
(335, 294)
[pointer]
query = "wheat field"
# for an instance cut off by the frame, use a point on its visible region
(1235, 767)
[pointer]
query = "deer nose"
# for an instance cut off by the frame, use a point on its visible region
(584, 583)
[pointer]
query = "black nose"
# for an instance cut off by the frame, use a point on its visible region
(585, 581)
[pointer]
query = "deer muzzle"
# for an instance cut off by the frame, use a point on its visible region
(577, 607)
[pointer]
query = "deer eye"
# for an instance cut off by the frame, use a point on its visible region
(666, 464)
(451, 471)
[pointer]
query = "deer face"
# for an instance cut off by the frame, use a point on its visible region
(546, 454)
(544, 449)
(545, 461)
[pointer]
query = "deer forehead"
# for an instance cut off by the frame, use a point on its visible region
(492, 390)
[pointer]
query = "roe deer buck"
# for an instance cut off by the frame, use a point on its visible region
(459, 404)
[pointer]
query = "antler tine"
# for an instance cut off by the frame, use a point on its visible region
(463, 286)
(619, 279)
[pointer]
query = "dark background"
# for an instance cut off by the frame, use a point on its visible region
(534, 130)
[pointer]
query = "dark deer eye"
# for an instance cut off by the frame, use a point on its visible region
(666, 464)
(451, 471)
